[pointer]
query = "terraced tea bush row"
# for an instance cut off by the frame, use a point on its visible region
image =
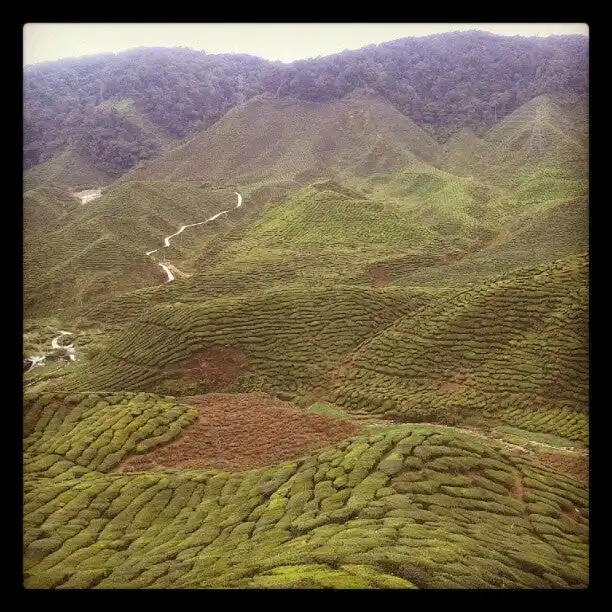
(326, 234)
(565, 423)
(316, 216)
(290, 338)
(43, 207)
(413, 507)
(67, 436)
(516, 346)
(540, 234)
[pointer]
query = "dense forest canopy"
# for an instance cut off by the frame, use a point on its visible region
(442, 82)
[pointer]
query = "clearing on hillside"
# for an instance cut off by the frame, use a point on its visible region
(243, 431)
(413, 506)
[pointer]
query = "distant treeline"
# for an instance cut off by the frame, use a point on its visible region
(442, 82)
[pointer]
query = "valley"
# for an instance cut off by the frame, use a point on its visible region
(168, 268)
(313, 344)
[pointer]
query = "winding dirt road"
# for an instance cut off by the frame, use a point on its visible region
(166, 266)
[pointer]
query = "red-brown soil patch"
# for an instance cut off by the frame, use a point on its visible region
(574, 465)
(218, 364)
(456, 381)
(380, 276)
(241, 432)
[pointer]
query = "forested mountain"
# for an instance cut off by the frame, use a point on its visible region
(180, 90)
(450, 80)
(442, 82)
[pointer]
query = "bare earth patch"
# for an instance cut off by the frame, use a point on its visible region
(380, 276)
(574, 465)
(219, 364)
(241, 432)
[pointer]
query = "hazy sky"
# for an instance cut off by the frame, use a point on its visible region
(283, 41)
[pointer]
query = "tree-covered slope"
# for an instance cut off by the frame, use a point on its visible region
(442, 82)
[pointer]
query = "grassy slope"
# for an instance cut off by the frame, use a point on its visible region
(540, 235)
(66, 169)
(419, 225)
(511, 206)
(545, 134)
(270, 140)
(514, 348)
(413, 507)
(426, 231)
(100, 249)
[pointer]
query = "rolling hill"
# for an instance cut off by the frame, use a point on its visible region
(515, 347)
(412, 507)
(448, 356)
(371, 373)
(99, 249)
(548, 134)
(272, 140)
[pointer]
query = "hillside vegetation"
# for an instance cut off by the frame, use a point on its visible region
(425, 233)
(285, 340)
(516, 347)
(44, 207)
(442, 82)
(99, 249)
(288, 141)
(370, 369)
(413, 507)
(66, 169)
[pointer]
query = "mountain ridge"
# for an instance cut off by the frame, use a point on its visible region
(424, 78)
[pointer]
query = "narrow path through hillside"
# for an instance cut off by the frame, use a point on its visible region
(527, 447)
(166, 266)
